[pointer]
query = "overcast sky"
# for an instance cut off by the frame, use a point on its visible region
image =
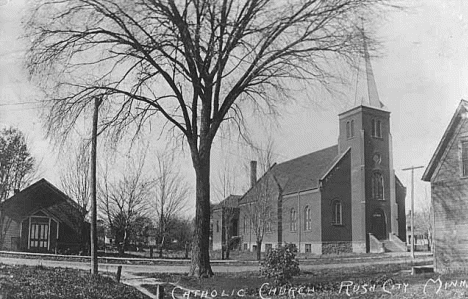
(421, 76)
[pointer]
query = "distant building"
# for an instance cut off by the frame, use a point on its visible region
(421, 236)
(225, 224)
(448, 174)
(341, 199)
(41, 218)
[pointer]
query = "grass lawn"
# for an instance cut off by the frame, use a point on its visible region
(42, 282)
(380, 281)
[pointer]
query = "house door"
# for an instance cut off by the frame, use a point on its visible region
(39, 236)
(378, 224)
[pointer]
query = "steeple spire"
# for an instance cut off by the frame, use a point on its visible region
(366, 93)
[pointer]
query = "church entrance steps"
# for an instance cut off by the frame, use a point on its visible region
(392, 246)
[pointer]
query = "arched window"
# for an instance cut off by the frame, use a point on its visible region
(377, 186)
(337, 210)
(217, 226)
(245, 225)
(352, 128)
(348, 129)
(379, 129)
(307, 219)
(293, 220)
(376, 128)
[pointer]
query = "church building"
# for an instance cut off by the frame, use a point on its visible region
(341, 199)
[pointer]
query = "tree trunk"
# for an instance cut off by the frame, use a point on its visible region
(200, 264)
(121, 249)
(227, 250)
(259, 250)
(161, 247)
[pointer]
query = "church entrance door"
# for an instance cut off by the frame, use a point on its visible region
(378, 224)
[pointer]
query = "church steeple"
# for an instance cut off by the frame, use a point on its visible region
(366, 93)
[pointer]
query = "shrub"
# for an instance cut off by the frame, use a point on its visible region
(280, 264)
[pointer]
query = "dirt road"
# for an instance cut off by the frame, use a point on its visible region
(130, 269)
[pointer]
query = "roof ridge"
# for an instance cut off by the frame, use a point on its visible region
(302, 156)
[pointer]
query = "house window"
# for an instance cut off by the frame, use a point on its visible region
(246, 247)
(217, 226)
(377, 186)
(293, 220)
(308, 248)
(268, 247)
(307, 219)
(376, 128)
(465, 158)
(245, 225)
(337, 213)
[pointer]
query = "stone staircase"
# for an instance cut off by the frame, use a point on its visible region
(393, 246)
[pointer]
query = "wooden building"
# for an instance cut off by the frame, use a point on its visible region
(41, 218)
(448, 174)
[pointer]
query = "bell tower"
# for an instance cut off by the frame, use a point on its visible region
(365, 128)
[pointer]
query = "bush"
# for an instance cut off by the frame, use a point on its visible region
(280, 264)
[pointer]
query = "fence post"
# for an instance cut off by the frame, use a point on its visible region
(160, 291)
(119, 273)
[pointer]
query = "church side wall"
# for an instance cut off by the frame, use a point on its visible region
(308, 241)
(337, 237)
(449, 199)
(400, 193)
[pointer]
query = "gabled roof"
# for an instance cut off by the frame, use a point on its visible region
(299, 174)
(303, 173)
(44, 195)
(334, 163)
(232, 201)
(460, 114)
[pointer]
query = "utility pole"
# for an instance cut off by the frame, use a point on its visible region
(94, 255)
(412, 168)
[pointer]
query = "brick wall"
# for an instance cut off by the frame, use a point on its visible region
(246, 229)
(337, 237)
(301, 235)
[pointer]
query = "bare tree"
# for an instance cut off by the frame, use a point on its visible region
(17, 169)
(225, 188)
(423, 218)
(261, 209)
(74, 181)
(226, 180)
(124, 201)
(17, 166)
(194, 64)
(171, 194)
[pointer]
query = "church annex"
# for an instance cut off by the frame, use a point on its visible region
(341, 199)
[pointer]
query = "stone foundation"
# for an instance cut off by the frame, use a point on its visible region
(359, 247)
(336, 247)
